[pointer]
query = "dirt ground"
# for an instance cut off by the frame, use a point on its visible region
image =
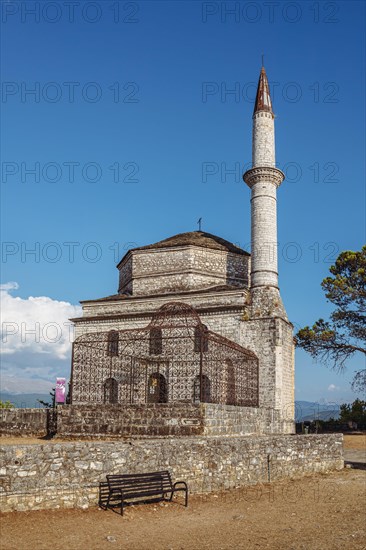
(354, 441)
(314, 513)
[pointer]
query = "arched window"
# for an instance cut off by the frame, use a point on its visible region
(230, 382)
(206, 389)
(157, 391)
(200, 339)
(156, 341)
(112, 345)
(111, 391)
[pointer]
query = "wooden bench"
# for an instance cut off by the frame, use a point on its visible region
(120, 488)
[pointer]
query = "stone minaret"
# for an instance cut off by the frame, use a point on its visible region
(266, 329)
(263, 179)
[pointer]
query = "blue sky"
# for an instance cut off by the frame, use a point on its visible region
(136, 121)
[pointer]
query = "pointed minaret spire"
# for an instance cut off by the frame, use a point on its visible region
(263, 152)
(264, 179)
(263, 98)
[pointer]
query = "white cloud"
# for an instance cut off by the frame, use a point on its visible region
(36, 337)
(333, 387)
(12, 285)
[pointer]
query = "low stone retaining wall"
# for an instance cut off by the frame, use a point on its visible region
(66, 475)
(94, 421)
(164, 419)
(231, 420)
(25, 422)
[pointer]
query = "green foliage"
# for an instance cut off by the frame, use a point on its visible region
(52, 403)
(6, 405)
(356, 412)
(330, 425)
(335, 341)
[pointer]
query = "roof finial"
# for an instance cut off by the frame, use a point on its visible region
(262, 59)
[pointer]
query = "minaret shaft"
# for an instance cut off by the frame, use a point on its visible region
(263, 235)
(263, 150)
(263, 180)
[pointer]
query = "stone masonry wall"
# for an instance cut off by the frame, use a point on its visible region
(272, 341)
(66, 475)
(125, 277)
(230, 420)
(126, 420)
(164, 419)
(173, 270)
(149, 420)
(24, 422)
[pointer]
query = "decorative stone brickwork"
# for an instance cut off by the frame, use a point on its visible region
(66, 475)
(177, 269)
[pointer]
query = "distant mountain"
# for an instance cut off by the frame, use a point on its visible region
(310, 410)
(25, 400)
(304, 410)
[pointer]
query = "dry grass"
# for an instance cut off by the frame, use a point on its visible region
(355, 441)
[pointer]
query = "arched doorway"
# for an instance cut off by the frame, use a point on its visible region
(157, 391)
(111, 391)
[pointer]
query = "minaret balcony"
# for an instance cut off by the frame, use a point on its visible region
(263, 173)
